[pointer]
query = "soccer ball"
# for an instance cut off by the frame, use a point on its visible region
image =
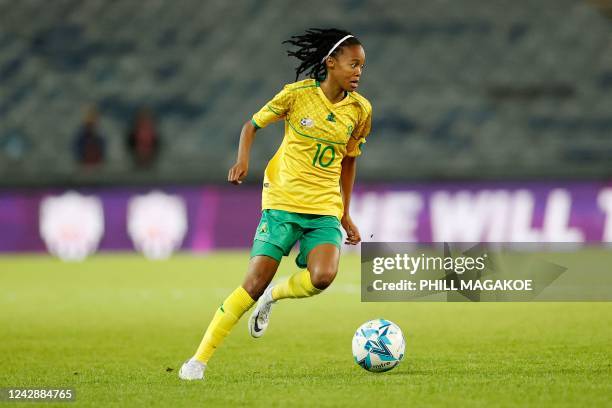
(378, 345)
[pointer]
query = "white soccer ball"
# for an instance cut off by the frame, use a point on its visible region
(378, 345)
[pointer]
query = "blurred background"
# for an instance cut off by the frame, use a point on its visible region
(119, 120)
(492, 119)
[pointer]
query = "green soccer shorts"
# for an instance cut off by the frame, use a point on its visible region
(279, 230)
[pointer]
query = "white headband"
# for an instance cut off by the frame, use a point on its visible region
(336, 46)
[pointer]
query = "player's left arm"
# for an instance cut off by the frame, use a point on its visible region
(347, 179)
(349, 169)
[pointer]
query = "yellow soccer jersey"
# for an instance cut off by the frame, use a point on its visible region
(304, 174)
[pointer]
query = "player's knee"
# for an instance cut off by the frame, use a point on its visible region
(323, 276)
(255, 285)
(260, 273)
(254, 289)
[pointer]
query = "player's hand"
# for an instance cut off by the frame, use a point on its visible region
(238, 172)
(352, 232)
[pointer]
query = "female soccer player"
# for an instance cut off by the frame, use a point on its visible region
(307, 184)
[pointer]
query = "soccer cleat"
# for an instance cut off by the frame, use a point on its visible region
(192, 369)
(258, 322)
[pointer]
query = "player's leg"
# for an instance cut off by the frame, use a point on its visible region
(320, 239)
(322, 267)
(320, 254)
(262, 269)
(258, 322)
(260, 272)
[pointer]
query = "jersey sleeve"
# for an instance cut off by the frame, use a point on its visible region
(275, 109)
(358, 137)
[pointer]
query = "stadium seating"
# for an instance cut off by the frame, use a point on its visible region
(470, 89)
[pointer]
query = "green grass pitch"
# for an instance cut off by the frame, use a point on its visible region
(118, 327)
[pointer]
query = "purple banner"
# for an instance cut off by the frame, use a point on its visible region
(225, 217)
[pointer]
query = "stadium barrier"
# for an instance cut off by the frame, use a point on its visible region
(160, 221)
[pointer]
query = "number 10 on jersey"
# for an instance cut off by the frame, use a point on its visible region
(324, 156)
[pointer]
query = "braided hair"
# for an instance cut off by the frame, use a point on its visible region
(313, 46)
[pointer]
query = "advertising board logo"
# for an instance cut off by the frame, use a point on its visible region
(71, 225)
(157, 224)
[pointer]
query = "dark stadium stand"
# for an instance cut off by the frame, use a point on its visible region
(474, 85)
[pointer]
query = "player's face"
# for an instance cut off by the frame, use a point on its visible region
(348, 67)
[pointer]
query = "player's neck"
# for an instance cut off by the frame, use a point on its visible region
(332, 91)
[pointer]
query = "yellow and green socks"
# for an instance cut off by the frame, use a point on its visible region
(238, 302)
(298, 285)
(226, 317)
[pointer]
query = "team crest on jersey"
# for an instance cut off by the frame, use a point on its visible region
(307, 122)
(331, 117)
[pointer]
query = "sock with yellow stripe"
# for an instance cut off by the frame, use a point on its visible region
(226, 317)
(298, 285)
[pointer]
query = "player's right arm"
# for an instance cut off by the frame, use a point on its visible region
(273, 111)
(240, 170)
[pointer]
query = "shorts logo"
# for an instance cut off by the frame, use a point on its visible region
(264, 228)
(307, 122)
